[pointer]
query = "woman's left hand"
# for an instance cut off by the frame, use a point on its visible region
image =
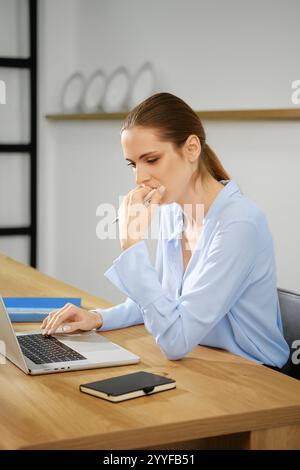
(134, 216)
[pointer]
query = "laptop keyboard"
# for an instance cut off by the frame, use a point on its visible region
(42, 349)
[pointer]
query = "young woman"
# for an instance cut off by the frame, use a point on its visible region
(214, 281)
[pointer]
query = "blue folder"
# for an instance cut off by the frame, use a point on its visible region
(35, 309)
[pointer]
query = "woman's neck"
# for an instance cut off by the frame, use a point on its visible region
(197, 200)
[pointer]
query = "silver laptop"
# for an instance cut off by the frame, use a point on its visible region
(37, 354)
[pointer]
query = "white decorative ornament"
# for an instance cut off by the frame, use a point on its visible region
(93, 92)
(117, 91)
(72, 92)
(143, 84)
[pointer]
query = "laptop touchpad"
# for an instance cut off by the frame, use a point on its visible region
(86, 341)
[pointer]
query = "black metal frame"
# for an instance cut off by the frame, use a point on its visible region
(29, 63)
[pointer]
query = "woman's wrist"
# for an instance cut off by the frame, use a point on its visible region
(98, 319)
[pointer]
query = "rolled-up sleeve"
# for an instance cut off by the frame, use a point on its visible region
(122, 315)
(178, 325)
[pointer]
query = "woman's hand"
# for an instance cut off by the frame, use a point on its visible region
(134, 216)
(77, 319)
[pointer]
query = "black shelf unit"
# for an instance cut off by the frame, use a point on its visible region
(29, 63)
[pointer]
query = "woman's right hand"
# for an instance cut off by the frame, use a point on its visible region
(71, 318)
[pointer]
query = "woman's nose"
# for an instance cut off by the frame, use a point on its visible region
(141, 177)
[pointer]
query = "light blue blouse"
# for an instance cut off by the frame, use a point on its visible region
(227, 297)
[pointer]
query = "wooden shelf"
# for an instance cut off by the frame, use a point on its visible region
(223, 115)
(87, 117)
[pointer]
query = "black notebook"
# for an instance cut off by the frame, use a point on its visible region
(124, 387)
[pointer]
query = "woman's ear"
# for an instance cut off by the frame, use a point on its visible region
(193, 148)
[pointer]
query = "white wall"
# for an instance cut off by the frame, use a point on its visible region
(58, 57)
(214, 55)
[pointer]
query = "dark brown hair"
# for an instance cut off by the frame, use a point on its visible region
(175, 121)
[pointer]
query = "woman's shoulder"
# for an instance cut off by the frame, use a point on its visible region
(242, 210)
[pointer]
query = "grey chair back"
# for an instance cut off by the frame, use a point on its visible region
(290, 312)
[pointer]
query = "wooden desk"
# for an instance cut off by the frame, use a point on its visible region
(221, 400)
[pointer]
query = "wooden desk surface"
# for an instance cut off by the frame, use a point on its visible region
(221, 400)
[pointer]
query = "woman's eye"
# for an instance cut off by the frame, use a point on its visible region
(148, 161)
